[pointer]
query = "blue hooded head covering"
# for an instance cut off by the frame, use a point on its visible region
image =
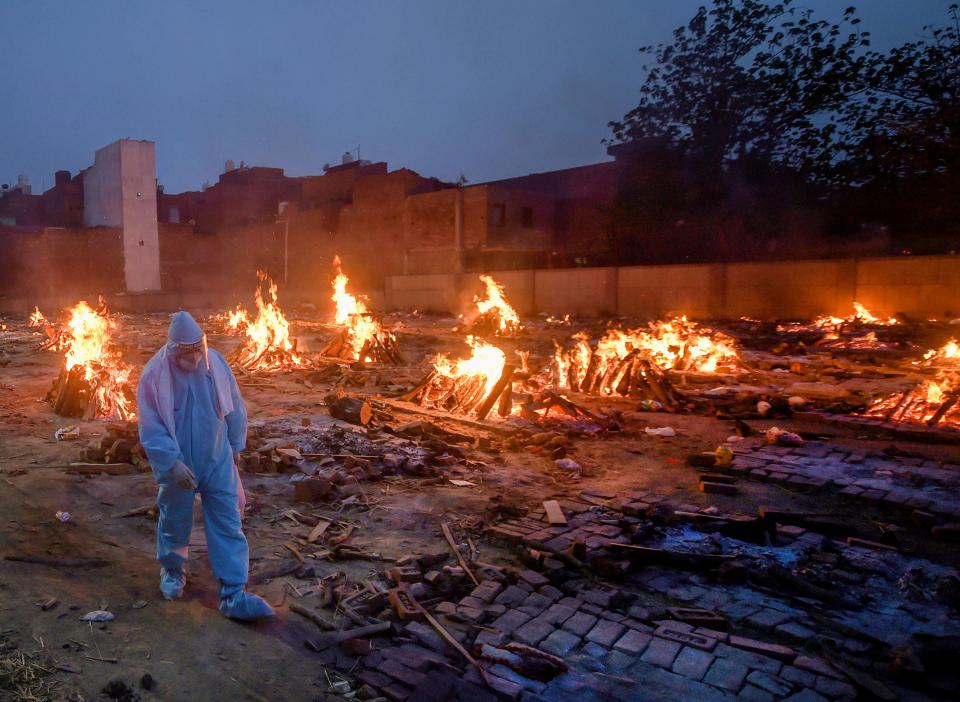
(184, 330)
(157, 381)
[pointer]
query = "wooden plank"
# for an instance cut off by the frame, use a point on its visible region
(554, 513)
(448, 637)
(318, 530)
(505, 378)
(484, 425)
(456, 552)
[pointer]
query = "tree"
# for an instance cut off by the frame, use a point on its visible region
(768, 124)
(912, 126)
(749, 80)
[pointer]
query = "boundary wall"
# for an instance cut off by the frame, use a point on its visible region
(918, 286)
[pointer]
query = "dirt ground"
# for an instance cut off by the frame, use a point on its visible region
(187, 647)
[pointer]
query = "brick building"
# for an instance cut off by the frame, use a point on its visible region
(411, 223)
(380, 222)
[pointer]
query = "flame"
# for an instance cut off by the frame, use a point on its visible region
(504, 318)
(861, 315)
(928, 402)
(948, 354)
(353, 315)
(675, 344)
(486, 361)
(238, 319)
(87, 343)
(37, 319)
(864, 316)
(267, 346)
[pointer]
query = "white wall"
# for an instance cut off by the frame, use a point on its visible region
(141, 239)
(102, 205)
(120, 190)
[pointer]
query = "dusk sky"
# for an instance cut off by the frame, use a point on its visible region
(491, 89)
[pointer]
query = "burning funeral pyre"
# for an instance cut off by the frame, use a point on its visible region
(267, 345)
(468, 384)
(37, 319)
(493, 316)
(859, 331)
(484, 381)
(632, 363)
(362, 337)
(934, 401)
(94, 381)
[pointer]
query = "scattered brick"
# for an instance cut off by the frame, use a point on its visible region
(726, 674)
(397, 670)
(661, 652)
(512, 620)
(633, 642)
(815, 665)
(560, 643)
(512, 596)
(557, 614)
(580, 623)
(835, 688)
(775, 686)
(784, 653)
(687, 638)
(605, 632)
(533, 632)
(692, 663)
(767, 619)
(533, 578)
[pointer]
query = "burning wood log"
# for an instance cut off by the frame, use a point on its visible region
(934, 401)
(466, 385)
(380, 347)
(362, 337)
(506, 377)
(94, 381)
(267, 345)
(493, 316)
(631, 363)
(351, 409)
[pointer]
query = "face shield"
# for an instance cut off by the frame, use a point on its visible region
(188, 356)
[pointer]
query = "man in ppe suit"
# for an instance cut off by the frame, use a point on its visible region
(193, 425)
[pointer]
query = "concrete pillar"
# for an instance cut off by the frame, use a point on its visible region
(120, 190)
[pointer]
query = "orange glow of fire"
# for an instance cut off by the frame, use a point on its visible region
(485, 362)
(505, 319)
(352, 314)
(933, 400)
(37, 319)
(267, 346)
(860, 315)
(87, 344)
(675, 344)
(238, 319)
(947, 355)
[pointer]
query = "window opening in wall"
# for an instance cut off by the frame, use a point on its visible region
(526, 217)
(498, 215)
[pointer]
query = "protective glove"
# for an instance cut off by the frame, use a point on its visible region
(183, 476)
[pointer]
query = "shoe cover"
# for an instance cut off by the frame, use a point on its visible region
(172, 582)
(245, 606)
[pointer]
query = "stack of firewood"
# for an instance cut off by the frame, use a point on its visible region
(272, 358)
(631, 376)
(118, 451)
(72, 395)
(381, 347)
(464, 394)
